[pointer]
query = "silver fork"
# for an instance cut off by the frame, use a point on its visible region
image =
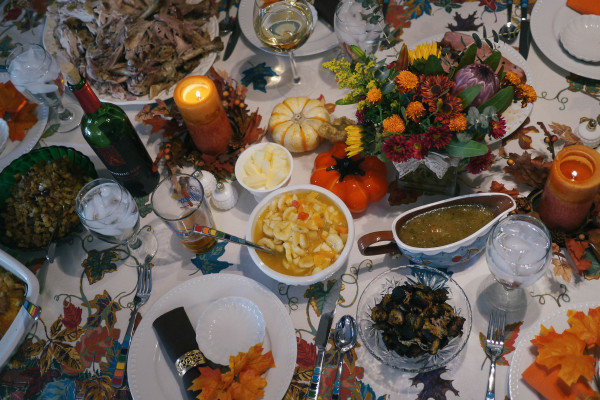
(144, 286)
(493, 348)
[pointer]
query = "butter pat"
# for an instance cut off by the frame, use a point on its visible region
(266, 168)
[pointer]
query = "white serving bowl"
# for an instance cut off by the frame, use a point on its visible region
(581, 37)
(23, 322)
(321, 275)
(240, 173)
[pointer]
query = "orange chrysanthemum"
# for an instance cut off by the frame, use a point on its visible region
(510, 78)
(406, 81)
(526, 93)
(415, 111)
(374, 96)
(458, 123)
(394, 124)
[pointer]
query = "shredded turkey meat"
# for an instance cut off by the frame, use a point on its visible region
(131, 48)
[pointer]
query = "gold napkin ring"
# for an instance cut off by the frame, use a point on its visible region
(188, 361)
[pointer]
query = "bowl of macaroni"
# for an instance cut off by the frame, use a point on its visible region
(310, 230)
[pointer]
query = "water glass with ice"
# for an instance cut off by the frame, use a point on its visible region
(354, 25)
(518, 253)
(111, 214)
(34, 72)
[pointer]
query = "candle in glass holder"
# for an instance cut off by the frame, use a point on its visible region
(200, 106)
(570, 189)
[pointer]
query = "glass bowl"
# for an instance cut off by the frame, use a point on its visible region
(22, 165)
(413, 274)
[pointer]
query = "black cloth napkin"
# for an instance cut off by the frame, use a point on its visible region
(177, 336)
(326, 10)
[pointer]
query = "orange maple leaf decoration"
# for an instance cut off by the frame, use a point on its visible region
(16, 110)
(243, 381)
(568, 350)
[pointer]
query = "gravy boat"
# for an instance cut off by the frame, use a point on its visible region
(442, 256)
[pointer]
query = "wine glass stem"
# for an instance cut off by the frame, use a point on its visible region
(295, 76)
(64, 114)
(134, 242)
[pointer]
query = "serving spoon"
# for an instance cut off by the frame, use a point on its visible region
(344, 337)
(509, 31)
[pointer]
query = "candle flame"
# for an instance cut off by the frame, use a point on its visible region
(574, 175)
(198, 95)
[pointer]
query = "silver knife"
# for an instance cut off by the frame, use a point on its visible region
(233, 38)
(323, 336)
(525, 35)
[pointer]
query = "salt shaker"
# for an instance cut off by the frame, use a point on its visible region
(589, 133)
(224, 197)
(208, 181)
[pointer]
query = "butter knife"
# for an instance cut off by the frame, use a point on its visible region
(525, 35)
(233, 38)
(323, 336)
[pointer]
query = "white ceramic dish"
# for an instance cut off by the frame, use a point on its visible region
(321, 40)
(16, 149)
(153, 377)
(548, 18)
(525, 353)
(321, 275)
(581, 37)
(240, 173)
(23, 321)
(514, 115)
(229, 326)
(53, 46)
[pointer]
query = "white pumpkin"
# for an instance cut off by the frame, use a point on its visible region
(295, 123)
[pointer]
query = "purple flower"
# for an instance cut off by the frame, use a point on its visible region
(476, 74)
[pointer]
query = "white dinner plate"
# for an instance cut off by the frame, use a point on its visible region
(52, 46)
(548, 18)
(525, 352)
(514, 115)
(153, 377)
(14, 150)
(322, 38)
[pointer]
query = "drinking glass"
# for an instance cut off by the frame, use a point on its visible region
(518, 253)
(180, 202)
(111, 214)
(353, 25)
(34, 72)
(283, 26)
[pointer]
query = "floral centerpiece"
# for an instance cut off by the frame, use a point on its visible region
(430, 104)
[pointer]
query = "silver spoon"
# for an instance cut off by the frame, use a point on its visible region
(228, 23)
(509, 31)
(344, 337)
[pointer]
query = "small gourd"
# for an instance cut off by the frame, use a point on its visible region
(295, 123)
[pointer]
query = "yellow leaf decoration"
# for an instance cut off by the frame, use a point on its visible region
(243, 381)
(586, 327)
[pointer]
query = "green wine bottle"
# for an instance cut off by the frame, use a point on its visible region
(109, 132)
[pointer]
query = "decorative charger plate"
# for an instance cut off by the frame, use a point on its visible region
(525, 354)
(14, 150)
(52, 46)
(514, 115)
(321, 40)
(153, 377)
(548, 18)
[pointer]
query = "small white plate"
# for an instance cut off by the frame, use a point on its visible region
(321, 40)
(229, 326)
(581, 37)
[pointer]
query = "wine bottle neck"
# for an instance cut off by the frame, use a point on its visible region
(86, 96)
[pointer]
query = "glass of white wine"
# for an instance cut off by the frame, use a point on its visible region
(283, 26)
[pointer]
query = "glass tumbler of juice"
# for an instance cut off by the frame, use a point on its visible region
(179, 200)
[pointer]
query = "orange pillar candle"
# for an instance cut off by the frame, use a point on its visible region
(570, 189)
(200, 106)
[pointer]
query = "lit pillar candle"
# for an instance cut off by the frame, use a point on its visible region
(203, 113)
(570, 189)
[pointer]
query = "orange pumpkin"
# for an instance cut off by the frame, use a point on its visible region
(358, 181)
